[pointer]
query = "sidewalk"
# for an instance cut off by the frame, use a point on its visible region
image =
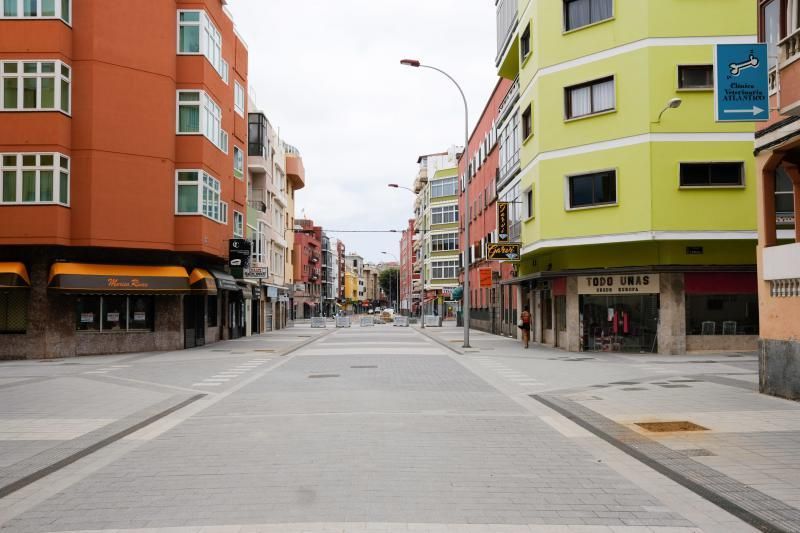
(744, 455)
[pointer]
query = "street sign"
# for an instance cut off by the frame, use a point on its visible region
(504, 251)
(485, 276)
(502, 221)
(238, 256)
(256, 271)
(741, 87)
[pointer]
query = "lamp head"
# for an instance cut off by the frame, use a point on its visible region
(674, 103)
(394, 185)
(410, 62)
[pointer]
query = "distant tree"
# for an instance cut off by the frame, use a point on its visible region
(388, 281)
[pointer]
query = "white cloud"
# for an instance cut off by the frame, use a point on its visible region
(328, 75)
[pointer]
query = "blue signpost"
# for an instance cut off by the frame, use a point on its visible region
(741, 92)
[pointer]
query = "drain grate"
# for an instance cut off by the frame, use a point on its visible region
(365, 366)
(675, 425)
(312, 376)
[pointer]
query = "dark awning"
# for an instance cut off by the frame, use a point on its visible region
(202, 282)
(82, 278)
(14, 276)
(225, 282)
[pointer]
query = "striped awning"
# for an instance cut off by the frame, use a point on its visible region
(83, 278)
(14, 276)
(202, 282)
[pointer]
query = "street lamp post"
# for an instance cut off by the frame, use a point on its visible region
(465, 298)
(397, 301)
(422, 259)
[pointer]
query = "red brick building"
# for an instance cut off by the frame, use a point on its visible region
(409, 272)
(307, 258)
(492, 308)
(119, 146)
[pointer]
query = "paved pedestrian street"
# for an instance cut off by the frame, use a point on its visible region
(392, 429)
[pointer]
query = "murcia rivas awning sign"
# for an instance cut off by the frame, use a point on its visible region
(741, 92)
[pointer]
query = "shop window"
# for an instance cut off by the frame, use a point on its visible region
(712, 174)
(695, 77)
(13, 311)
(114, 313)
(590, 98)
(596, 189)
(547, 310)
(722, 314)
(561, 313)
(580, 13)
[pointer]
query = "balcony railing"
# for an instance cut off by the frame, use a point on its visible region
(790, 48)
(506, 24)
(510, 167)
(511, 98)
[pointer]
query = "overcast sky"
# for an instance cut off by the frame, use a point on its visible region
(327, 74)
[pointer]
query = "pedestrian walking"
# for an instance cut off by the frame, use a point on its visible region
(525, 325)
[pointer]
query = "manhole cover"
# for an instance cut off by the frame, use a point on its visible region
(698, 452)
(323, 376)
(365, 366)
(676, 425)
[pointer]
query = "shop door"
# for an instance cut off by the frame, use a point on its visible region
(620, 323)
(194, 333)
(255, 313)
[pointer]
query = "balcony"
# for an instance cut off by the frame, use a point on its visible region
(782, 270)
(255, 200)
(509, 100)
(506, 26)
(421, 179)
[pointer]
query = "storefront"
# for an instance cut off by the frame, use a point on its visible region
(619, 313)
(233, 302)
(15, 287)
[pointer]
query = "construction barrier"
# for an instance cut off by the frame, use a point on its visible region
(342, 321)
(318, 322)
(433, 321)
(401, 321)
(367, 321)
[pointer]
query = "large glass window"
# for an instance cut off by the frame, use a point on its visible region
(444, 187)
(722, 314)
(35, 86)
(34, 179)
(198, 35)
(444, 269)
(590, 98)
(444, 214)
(13, 311)
(712, 174)
(43, 9)
(114, 313)
(199, 194)
(198, 113)
(444, 242)
(579, 13)
(595, 189)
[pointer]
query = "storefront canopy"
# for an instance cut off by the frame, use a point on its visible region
(14, 276)
(82, 278)
(225, 282)
(202, 282)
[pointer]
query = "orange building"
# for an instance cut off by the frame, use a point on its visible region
(778, 160)
(122, 154)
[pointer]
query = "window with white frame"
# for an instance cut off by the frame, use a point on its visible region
(42, 9)
(198, 114)
(278, 260)
(238, 162)
(444, 187)
(238, 225)
(199, 194)
(35, 86)
(277, 218)
(198, 35)
(260, 252)
(590, 98)
(238, 101)
(444, 269)
(34, 179)
(444, 242)
(446, 214)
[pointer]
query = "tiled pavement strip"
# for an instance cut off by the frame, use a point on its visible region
(396, 442)
(752, 444)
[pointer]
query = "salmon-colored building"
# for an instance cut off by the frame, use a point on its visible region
(123, 152)
(493, 306)
(778, 161)
(307, 256)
